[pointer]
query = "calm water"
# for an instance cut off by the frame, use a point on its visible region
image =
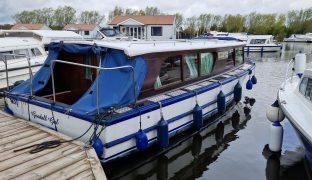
(231, 148)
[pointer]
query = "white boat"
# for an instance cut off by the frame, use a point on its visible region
(45, 37)
(20, 46)
(126, 96)
(17, 56)
(261, 43)
(295, 100)
(306, 38)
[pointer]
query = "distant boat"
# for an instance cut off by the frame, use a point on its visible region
(17, 57)
(306, 38)
(261, 43)
(44, 37)
(124, 96)
(17, 47)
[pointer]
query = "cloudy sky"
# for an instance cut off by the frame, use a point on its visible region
(186, 7)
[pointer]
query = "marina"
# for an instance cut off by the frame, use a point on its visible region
(168, 91)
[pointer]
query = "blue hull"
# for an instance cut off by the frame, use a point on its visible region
(307, 145)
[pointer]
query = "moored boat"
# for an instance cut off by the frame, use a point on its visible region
(18, 56)
(305, 38)
(294, 99)
(124, 96)
(261, 43)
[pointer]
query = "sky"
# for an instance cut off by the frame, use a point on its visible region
(187, 7)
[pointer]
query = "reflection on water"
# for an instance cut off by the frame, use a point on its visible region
(189, 159)
(234, 147)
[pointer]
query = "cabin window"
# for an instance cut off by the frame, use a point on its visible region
(87, 33)
(156, 31)
(170, 72)
(238, 57)
(22, 53)
(257, 41)
(308, 91)
(230, 59)
(35, 52)
(303, 86)
(5, 57)
(206, 63)
(190, 66)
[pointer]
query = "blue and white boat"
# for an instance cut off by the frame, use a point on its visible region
(124, 96)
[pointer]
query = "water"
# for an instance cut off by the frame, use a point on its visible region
(233, 149)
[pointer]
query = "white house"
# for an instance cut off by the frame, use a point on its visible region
(85, 30)
(30, 27)
(160, 27)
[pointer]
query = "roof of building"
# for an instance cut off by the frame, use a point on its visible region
(84, 27)
(146, 20)
(27, 26)
(135, 48)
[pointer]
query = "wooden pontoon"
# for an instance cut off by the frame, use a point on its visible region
(69, 160)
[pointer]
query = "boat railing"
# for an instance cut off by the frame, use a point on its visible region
(97, 81)
(4, 60)
(286, 74)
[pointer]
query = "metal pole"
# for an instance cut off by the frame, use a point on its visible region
(6, 70)
(29, 67)
(30, 76)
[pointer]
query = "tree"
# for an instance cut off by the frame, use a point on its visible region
(91, 17)
(64, 15)
(152, 11)
(118, 11)
(203, 23)
(191, 26)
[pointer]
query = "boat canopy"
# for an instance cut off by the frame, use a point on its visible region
(116, 87)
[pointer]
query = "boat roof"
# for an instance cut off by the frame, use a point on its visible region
(259, 36)
(10, 43)
(135, 48)
(45, 36)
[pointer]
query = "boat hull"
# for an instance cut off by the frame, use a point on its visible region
(118, 133)
(297, 109)
(262, 48)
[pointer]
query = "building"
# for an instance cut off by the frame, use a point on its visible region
(85, 30)
(30, 27)
(160, 27)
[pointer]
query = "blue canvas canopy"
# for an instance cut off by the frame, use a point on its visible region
(116, 87)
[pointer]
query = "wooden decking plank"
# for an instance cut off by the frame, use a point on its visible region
(12, 126)
(36, 163)
(9, 152)
(84, 175)
(7, 120)
(23, 141)
(3, 115)
(16, 131)
(95, 164)
(70, 171)
(54, 166)
(18, 136)
(69, 160)
(26, 156)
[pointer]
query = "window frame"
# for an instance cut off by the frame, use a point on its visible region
(149, 91)
(161, 30)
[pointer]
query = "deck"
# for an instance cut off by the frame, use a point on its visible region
(69, 160)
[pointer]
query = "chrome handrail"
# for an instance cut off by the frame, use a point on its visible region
(286, 74)
(29, 67)
(97, 82)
